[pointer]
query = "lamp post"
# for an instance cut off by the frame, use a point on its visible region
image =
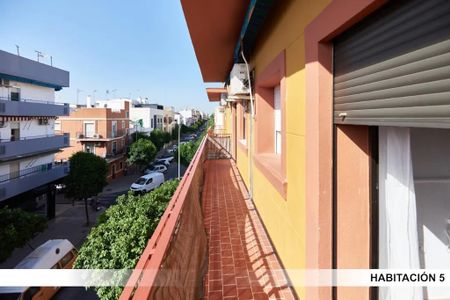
(178, 149)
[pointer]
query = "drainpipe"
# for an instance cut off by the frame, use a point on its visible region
(252, 117)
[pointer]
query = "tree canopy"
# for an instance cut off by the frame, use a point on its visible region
(16, 228)
(142, 153)
(87, 175)
(122, 233)
(157, 138)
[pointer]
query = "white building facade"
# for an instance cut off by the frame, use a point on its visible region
(27, 117)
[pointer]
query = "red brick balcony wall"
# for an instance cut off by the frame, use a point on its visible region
(175, 259)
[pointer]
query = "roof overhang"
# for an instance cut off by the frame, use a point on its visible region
(214, 94)
(215, 27)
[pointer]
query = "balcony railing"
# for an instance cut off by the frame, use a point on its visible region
(32, 107)
(180, 228)
(31, 145)
(24, 180)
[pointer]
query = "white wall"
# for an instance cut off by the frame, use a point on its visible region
(30, 91)
(431, 167)
(143, 113)
(28, 128)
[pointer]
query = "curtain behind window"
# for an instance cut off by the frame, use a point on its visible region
(398, 244)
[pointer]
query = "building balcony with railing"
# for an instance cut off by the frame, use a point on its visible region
(95, 136)
(20, 181)
(32, 107)
(212, 217)
(31, 145)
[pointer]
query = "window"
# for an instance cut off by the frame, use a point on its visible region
(123, 124)
(89, 148)
(58, 125)
(89, 129)
(121, 165)
(114, 129)
(15, 94)
(277, 118)
(270, 153)
(66, 259)
(150, 180)
(152, 123)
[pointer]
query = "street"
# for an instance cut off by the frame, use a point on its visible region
(69, 223)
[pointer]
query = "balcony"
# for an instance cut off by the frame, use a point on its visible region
(32, 145)
(32, 108)
(229, 253)
(98, 137)
(16, 183)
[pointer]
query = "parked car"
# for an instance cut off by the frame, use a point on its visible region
(147, 182)
(156, 168)
(53, 254)
(165, 160)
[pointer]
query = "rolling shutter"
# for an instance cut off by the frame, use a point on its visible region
(393, 68)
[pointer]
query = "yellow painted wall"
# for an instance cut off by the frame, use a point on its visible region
(285, 218)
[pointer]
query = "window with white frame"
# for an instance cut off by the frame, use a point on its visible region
(89, 129)
(58, 125)
(113, 129)
(277, 119)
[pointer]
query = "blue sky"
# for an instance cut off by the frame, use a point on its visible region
(137, 47)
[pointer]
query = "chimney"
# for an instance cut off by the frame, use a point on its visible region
(88, 101)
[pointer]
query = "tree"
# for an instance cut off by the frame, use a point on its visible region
(122, 233)
(175, 132)
(166, 137)
(140, 135)
(142, 153)
(87, 177)
(17, 227)
(156, 136)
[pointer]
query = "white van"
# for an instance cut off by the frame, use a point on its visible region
(53, 254)
(147, 182)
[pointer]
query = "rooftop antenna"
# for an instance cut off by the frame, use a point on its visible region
(17, 48)
(39, 54)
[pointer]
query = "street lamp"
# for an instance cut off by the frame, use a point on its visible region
(178, 149)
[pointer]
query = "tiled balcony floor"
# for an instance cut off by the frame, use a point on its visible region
(242, 263)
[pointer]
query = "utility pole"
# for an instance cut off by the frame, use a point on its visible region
(18, 52)
(178, 150)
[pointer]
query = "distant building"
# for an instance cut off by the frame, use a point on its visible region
(169, 121)
(28, 142)
(99, 130)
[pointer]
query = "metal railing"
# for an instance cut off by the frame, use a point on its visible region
(33, 101)
(26, 138)
(30, 171)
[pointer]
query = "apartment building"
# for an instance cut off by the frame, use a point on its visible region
(99, 130)
(169, 119)
(348, 119)
(28, 142)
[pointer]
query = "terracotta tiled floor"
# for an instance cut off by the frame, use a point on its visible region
(242, 263)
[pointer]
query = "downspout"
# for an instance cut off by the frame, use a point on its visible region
(252, 117)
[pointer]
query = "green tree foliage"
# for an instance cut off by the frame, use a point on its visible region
(87, 177)
(157, 138)
(166, 137)
(175, 132)
(122, 233)
(142, 153)
(187, 150)
(139, 135)
(17, 227)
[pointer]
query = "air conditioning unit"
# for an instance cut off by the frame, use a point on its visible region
(43, 121)
(80, 135)
(96, 136)
(4, 82)
(239, 83)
